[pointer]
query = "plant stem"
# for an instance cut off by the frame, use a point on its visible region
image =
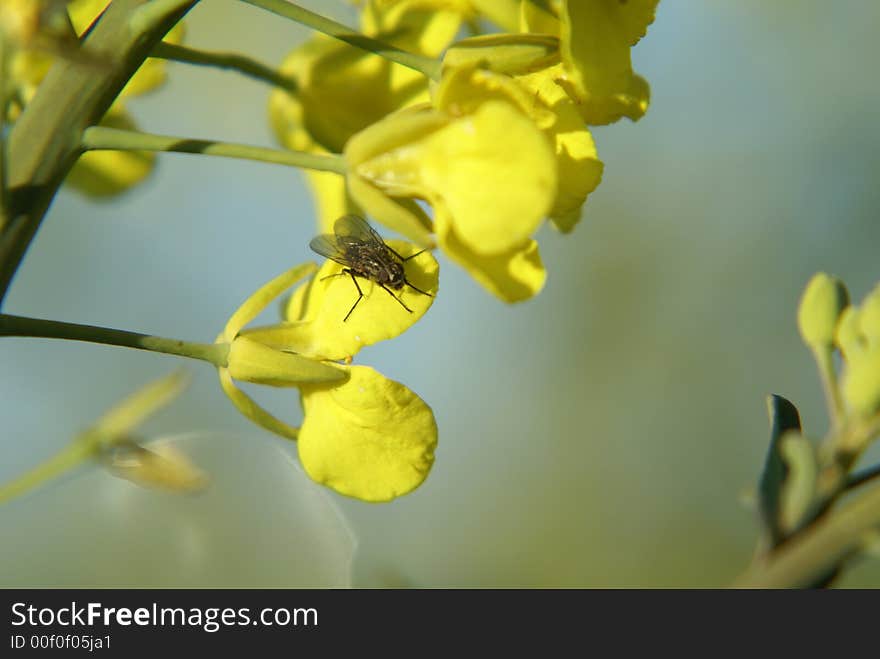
(426, 65)
(72, 455)
(45, 140)
(214, 353)
(818, 548)
(241, 63)
(825, 362)
(98, 138)
(4, 106)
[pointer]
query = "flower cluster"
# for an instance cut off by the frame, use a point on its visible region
(828, 322)
(495, 146)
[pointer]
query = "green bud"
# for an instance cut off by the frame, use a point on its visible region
(847, 335)
(869, 317)
(513, 54)
(823, 300)
(252, 361)
(861, 383)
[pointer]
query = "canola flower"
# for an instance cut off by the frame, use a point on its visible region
(110, 441)
(362, 434)
(466, 144)
(497, 144)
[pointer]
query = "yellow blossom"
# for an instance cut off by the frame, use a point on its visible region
(362, 434)
(485, 167)
(370, 437)
(525, 58)
(595, 41)
(112, 432)
(313, 315)
(341, 89)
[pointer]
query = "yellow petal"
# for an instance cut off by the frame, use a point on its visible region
(84, 12)
(421, 26)
(252, 361)
(579, 167)
(493, 170)
(287, 118)
(596, 37)
(343, 89)
(538, 18)
(397, 213)
(512, 276)
(496, 174)
(252, 410)
(331, 198)
(107, 173)
(315, 312)
(370, 438)
(504, 13)
(259, 300)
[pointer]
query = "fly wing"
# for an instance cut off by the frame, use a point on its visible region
(328, 246)
(355, 229)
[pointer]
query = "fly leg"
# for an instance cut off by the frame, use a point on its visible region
(417, 290)
(360, 292)
(397, 254)
(395, 297)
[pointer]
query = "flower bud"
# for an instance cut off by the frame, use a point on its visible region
(861, 383)
(823, 300)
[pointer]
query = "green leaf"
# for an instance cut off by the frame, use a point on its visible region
(783, 417)
(797, 498)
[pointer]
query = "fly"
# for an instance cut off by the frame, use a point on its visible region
(355, 245)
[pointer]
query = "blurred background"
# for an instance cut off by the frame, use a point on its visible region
(606, 433)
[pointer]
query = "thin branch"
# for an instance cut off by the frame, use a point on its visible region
(21, 326)
(232, 61)
(426, 65)
(101, 138)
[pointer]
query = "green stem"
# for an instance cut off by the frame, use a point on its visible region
(45, 141)
(4, 107)
(426, 65)
(819, 548)
(234, 61)
(99, 138)
(72, 455)
(214, 353)
(825, 362)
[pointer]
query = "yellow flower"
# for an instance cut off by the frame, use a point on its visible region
(313, 315)
(518, 71)
(595, 41)
(98, 173)
(111, 437)
(340, 89)
(362, 434)
(484, 166)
